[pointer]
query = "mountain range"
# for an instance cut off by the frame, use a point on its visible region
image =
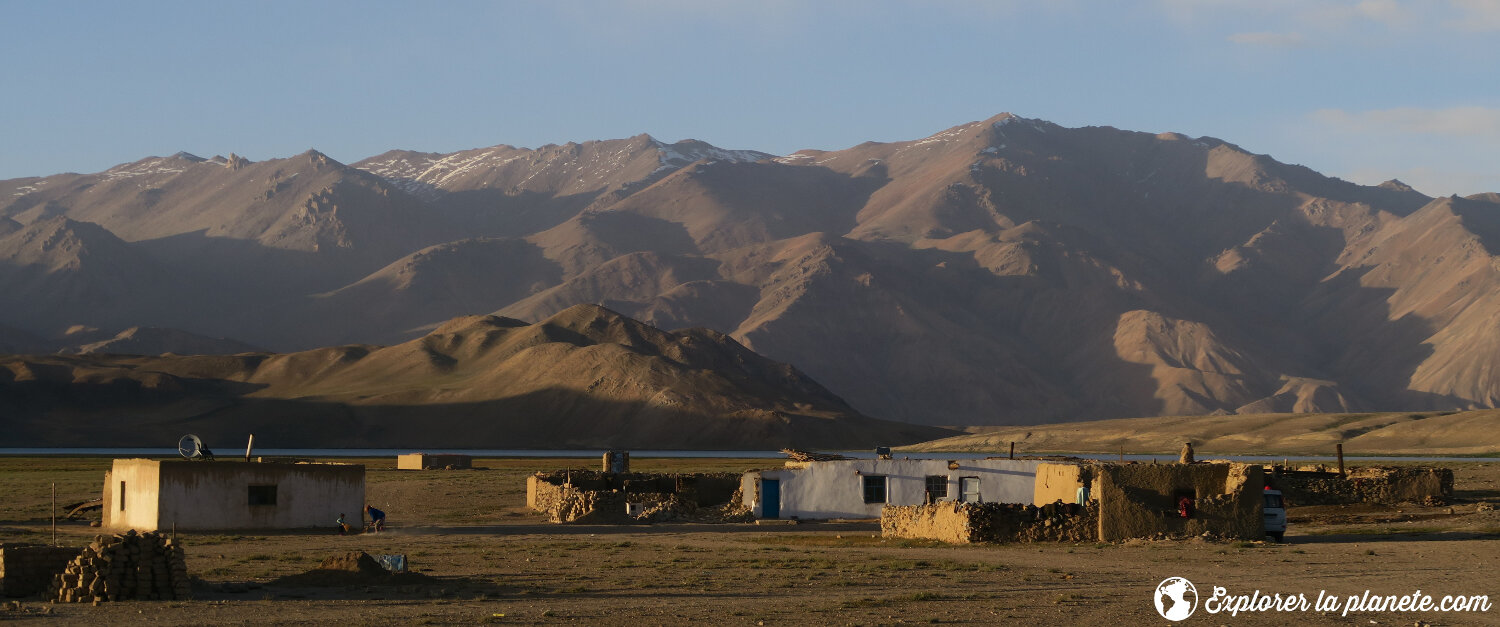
(1006, 271)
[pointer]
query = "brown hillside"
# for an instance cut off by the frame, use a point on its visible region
(585, 377)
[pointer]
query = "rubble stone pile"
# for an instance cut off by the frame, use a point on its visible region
(129, 566)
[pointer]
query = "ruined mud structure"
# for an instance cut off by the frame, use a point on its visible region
(27, 569)
(433, 461)
(1145, 500)
(585, 496)
(965, 523)
(1120, 501)
(130, 566)
(1390, 485)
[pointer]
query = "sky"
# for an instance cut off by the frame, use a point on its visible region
(1364, 90)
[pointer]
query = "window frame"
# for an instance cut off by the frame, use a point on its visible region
(866, 483)
(978, 493)
(932, 481)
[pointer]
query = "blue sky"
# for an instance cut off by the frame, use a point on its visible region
(1365, 90)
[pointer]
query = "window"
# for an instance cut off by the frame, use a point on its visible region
(262, 495)
(874, 488)
(122, 496)
(968, 490)
(1273, 501)
(937, 488)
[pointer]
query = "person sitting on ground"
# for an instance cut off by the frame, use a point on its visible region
(377, 518)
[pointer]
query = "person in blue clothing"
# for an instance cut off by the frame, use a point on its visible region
(377, 518)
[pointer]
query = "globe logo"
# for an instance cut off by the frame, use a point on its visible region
(1176, 598)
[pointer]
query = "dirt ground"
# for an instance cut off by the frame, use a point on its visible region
(492, 561)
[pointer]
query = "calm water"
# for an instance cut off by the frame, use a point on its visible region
(228, 454)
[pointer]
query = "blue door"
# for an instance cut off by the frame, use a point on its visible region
(770, 498)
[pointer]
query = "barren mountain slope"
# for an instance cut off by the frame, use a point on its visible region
(1013, 258)
(159, 341)
(56, 272)
(584, 377)
(1461, 433)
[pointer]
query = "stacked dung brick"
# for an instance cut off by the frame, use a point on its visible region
(130, 566)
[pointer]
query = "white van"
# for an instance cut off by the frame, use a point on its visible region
(1275, 514)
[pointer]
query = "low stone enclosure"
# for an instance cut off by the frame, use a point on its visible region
(27, 570)
(1124, 501)
(589, 496)
(1389, 485)
(433, 461)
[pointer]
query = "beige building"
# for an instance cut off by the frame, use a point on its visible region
(148, 494)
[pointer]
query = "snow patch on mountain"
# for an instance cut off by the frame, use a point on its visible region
(152, 166)
(687, 151)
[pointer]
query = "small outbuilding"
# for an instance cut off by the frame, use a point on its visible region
(148, 494)
(861, 488)
(433, 461)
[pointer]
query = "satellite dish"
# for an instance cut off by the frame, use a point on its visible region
(192, 448)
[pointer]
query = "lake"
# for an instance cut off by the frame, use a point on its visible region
(228, 454)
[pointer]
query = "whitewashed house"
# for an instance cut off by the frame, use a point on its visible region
(148, 494)
(859, 488)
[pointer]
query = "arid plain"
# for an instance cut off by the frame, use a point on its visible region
(490, 560)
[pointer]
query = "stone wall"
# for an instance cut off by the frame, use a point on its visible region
(1141, 501)
(27, 570)
(1378, 485)
(583, 496)
(965, 523)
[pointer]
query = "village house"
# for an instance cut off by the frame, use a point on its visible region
(148, 494)
(860, 488)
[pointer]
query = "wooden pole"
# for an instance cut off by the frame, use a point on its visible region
(1340, 448)
(1012, 450)
(54, 514)
(248, 445)
(1122, 453)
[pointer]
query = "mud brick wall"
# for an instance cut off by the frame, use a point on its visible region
(598, 497)
(964, 523)
(130, 566)
(946, 522)
(27, 570)
(1140, 501)
(1377, 485)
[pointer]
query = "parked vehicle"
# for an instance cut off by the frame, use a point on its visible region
(1275, 514)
